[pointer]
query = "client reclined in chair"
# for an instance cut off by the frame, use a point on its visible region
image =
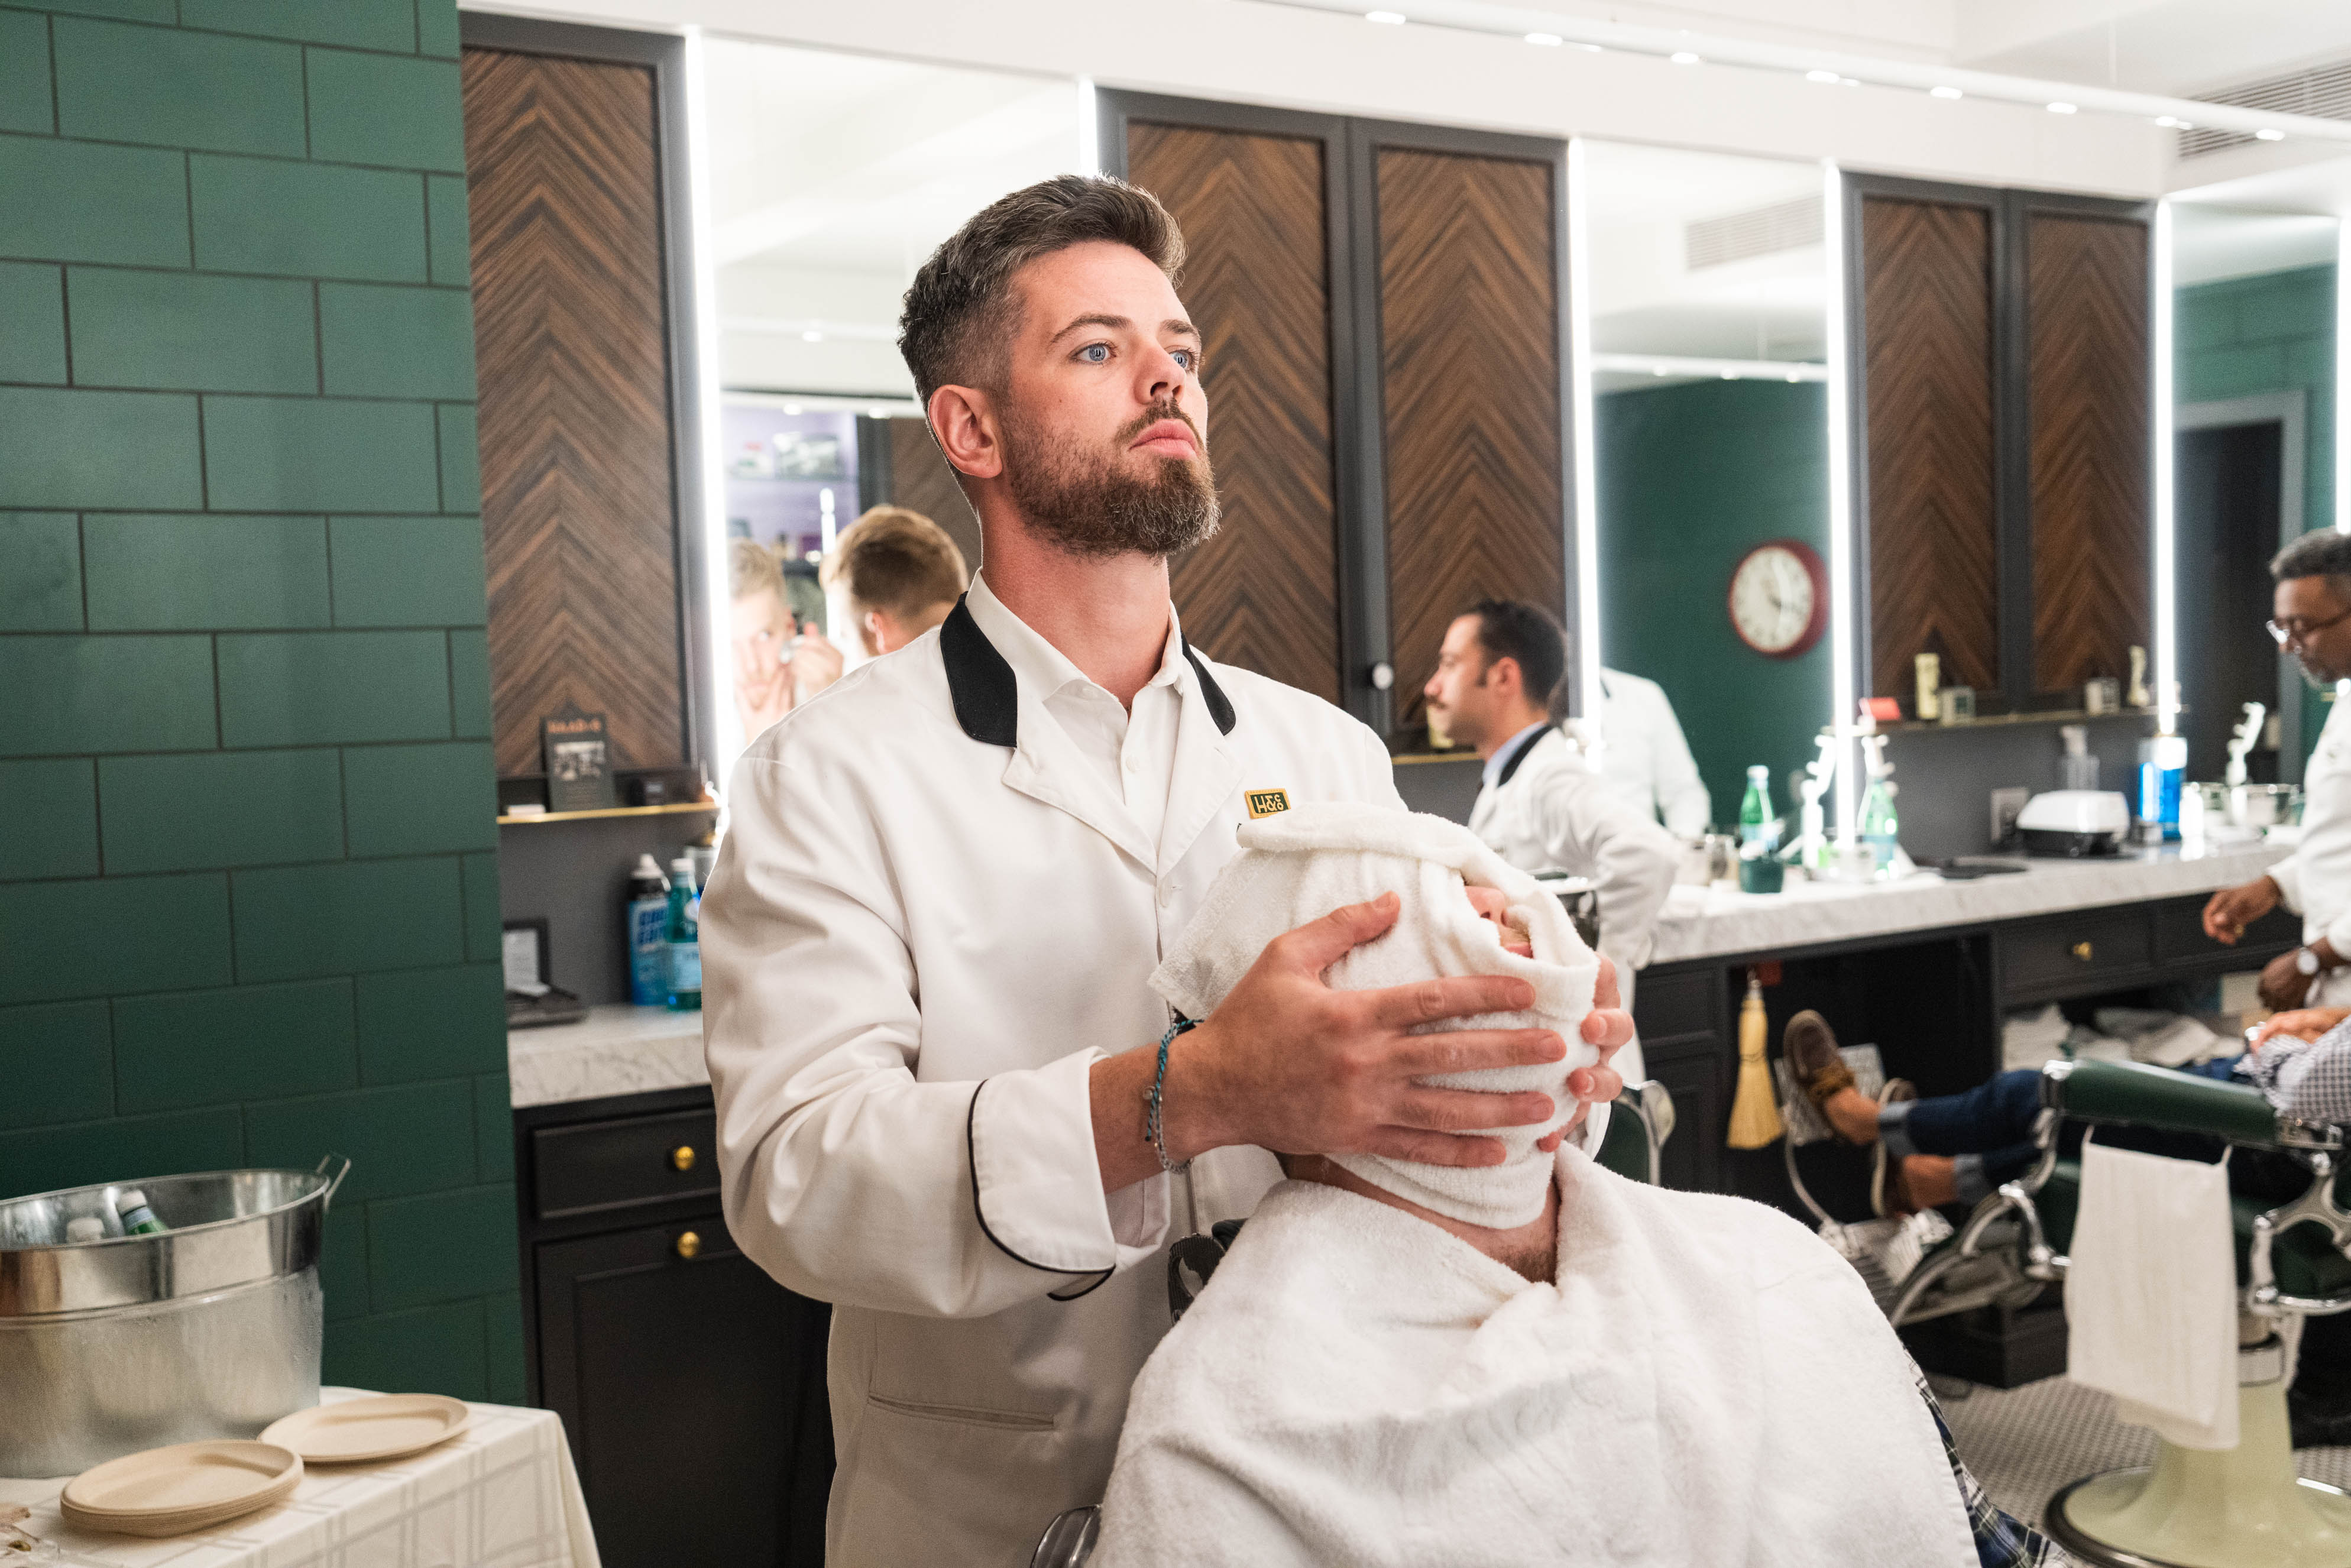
(1533, 1361)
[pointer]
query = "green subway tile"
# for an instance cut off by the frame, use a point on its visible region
(2201, 322)
(163, 11)
(436, 29)
(242, 1043)
(63, 695)
(41, 589)
(306, 220)
(80, 200)
(2286, 305)
(32, 304)
(48, 820)
(113, 449)
(386, 341)
(417, 1137)
(318, 688)
(360, 23)
(299, 921)
(342, 1262)
(177, 573)
(117, 82)
(129, 1149)
(2233, 372)
(431, 1023)
(57, 1063)
(483, 924)
(445, 210)
(112, 937)
(469, 684)
(409, 572)
(461, 462)
(2310, 359)
(204, 809)
(305, 454)
(509, 1384)
(433, 1350)
(376, 108)
(493, 1138)
(25, 103)
(186, 329)
(420, 800)
(444, 1246)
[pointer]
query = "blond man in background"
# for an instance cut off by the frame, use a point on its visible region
(901, 574)
(777, 664)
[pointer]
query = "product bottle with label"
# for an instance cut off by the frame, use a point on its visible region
(647, 924)
(1758, 823)
(138, 1219)
(681, 945)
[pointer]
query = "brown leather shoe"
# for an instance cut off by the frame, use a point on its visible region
(1811, 1048)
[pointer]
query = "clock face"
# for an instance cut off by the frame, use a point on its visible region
(1777, 602)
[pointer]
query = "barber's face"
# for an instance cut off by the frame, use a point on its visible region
(1103, 418)
(1465, 703)
(2306, 606)
(761, 628)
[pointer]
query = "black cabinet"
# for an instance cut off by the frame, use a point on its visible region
(691, 1384)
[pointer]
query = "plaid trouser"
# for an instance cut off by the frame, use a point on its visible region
(2003, 1540)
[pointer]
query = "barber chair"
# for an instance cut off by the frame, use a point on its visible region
(1884, 1251)
(2242, 1508)
(1640, 1122)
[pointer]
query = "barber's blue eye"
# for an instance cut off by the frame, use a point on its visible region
(1095, 353)
(1182, 357)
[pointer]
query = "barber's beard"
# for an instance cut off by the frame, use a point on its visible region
(1101, 507)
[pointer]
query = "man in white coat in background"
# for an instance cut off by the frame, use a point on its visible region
(1639, 751)
(1539, 804)
(949, 1101)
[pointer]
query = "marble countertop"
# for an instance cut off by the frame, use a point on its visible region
(616, 1050)
(1703, 921)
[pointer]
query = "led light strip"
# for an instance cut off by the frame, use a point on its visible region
(2167, 616)
(1587, 445)
(726, 728)
(1842, 586)
(1688, 365)
(2343, 378)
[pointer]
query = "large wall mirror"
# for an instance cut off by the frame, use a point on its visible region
(1705, 316)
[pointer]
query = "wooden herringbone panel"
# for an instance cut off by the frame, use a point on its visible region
(1470, 354)
(2086, 293)
(1264, 592)
(921, 481)
(1934, 556)
(577, 510)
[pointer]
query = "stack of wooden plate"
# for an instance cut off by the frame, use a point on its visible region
(185, 1488)
(381, 1426)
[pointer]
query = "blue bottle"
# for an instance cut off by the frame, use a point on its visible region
(2162, 764)
(682, 946)
(647, 923)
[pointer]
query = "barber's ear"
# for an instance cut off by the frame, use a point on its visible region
(963, 421)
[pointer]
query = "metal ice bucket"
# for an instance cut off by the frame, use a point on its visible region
(210, 1329)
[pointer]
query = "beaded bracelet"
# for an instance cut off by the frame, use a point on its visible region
(1155, 1131)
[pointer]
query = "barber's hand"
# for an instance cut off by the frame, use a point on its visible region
(2302, 1023)
(2231, 909)
(1288, 1064)
(816, 664)
(1609, 1027)
(2282, 985)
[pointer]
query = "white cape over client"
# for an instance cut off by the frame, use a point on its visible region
(1705, 1385)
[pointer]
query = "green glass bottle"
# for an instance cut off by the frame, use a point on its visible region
(1758, 822)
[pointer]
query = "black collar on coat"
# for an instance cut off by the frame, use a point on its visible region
(1517, 756)
(987, 699)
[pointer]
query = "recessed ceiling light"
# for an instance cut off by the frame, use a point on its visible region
(1793, 380)
(877, 413)
(1848, 82)
(1829, 78)
(1589, 49)
(2167, 121)
(2062, 108)
(1731, 375)
(811, 336)
(1386, 18)
(1656, 369)
(1684, 57)
(791, 408)
(1547, 41)
(2267, 133)
(1945, 92)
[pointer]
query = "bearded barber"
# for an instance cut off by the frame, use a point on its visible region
(928, 935)
(1539, 804)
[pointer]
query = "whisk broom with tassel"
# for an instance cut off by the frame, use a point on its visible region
(1754, 1112)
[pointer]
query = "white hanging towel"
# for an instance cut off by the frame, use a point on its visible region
(2151, 1294)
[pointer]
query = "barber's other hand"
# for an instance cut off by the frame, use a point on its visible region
(1609, 1027)
(2231, 909)
(816, 664)
(2302, 1023)
(2282, 984)
(1288, 1064)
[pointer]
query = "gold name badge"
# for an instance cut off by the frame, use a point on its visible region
(1266, 802)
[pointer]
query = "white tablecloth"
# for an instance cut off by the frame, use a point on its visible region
(503, 1494)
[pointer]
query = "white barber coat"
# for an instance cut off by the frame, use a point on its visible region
(931, 914)
(2317, 878)
(1644, 757)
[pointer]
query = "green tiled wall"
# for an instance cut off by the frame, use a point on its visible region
(248, 897)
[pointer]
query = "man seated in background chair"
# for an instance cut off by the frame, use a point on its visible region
(1961, 1148)
(900, 573)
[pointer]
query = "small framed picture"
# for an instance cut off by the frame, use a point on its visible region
(578, 761)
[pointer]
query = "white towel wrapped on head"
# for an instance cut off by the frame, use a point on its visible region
(1300, 864)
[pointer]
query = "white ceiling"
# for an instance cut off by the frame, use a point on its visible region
(2175, 46)
(2208, 244)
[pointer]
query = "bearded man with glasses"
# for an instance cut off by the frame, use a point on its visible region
(2313, 622)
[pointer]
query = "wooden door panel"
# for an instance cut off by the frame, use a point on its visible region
(1470, 360)
(1263, 592)
(1934, 537)
(2087, 349)
(578, 516)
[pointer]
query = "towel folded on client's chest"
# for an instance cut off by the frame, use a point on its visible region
(1303, 863)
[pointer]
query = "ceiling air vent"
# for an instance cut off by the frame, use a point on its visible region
(1759, 231)
(2324, 91)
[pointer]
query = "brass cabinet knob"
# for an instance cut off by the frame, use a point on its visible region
(681, 1157)
(689, 1245)
(2081, 951)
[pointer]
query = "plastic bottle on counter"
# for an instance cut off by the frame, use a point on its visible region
(138, 1219)
(648, 928)
(1758, 822)
(682, 946)
(1879, 827)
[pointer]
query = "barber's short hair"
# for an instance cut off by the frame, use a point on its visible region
(961, 311)
(750, 567)
(897, 561)
(2324, 553)
(1513, 629)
